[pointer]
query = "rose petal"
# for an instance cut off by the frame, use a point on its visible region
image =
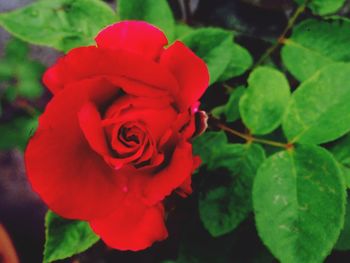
(133, 226)
(73, 180)
(134, 36)
(87, 62)
(201, 118)
(156, 121)
(190, 71)
(91, 124)
(185, 188)
(127, 102)
(172, 176)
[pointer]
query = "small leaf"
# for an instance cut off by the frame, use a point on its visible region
(315, 44)
(211, 44)
(240, 62)
(156, 12)
(323, 7)
(218, 111)
(318, 111)
(16, 132)
(208, 145)
(232, 110)
(225, 198)
(65, 238)
(263, 104)
(224, 207)
(232, 106)
(299, 201)
(62, 24)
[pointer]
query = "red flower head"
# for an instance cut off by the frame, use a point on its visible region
(114, 141)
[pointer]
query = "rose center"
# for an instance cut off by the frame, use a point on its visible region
(130, 136)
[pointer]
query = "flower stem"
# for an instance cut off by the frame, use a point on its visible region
(281, 38)
(249, 138)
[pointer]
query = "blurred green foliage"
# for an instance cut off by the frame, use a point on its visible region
(19, 75)
(20, 79)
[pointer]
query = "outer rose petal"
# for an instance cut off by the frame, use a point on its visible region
(72, 179)
(91, 125)
(185, 189)
(135, 36)
(190, 71)
(88, 62)
(172, 176)
(133, 226)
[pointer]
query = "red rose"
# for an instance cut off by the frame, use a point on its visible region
(114, 141)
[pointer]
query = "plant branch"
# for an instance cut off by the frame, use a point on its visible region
(281, 38)
(249, 138)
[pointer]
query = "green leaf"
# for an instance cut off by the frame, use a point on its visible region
(263, 104)
(232, 110)
(156, 12)
(299, 203)
(61, 24)
(224, 58)
(211, 44)
(323, 7)
(341, 152)
(344, 238)
(16, 132)
(224, 207)
(208, 146)
(315, 44)
(318, 111)
(225, 198)
(218, 111)
(240, 62)
(65, 238)
(182, 29)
